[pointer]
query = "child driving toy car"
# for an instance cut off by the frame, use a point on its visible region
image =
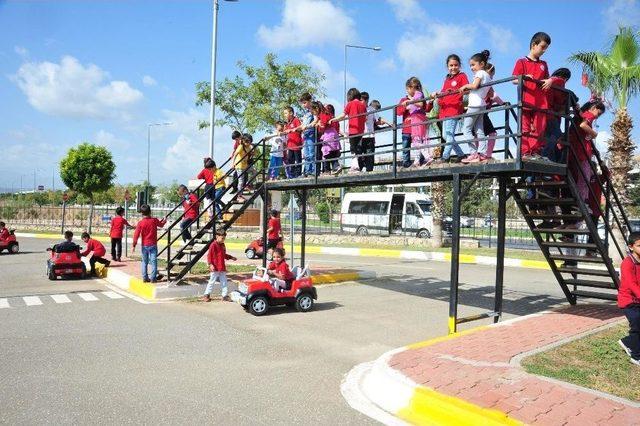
(4, 232)
(280, 270)
(67, 246)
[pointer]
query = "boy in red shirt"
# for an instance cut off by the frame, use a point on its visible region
(354, 110)
(117, 226)
(97, 250)
(533, 94)
(217, 266)
(274, 231)
(147, 229)
(557, 102)
(191, 205)
(629, 298)
(294, 142)
(280, 270)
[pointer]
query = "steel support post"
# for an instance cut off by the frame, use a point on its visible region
(265, 220)
(455, 255)
(502, 213)
(395, 144)
(519, 125)
(303, 234)
(126, 228)
(64, 213)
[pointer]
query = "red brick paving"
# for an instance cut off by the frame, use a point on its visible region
(475, 367)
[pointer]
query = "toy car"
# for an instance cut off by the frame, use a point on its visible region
(65, 264)
(11, 244)
(257, 294)
(255, 248)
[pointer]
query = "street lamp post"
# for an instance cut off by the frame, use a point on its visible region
(214, 39)
(149, 126)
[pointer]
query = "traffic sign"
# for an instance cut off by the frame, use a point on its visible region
(65, 197)
(127, 195)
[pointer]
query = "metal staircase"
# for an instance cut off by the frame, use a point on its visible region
(181, 259)
(579, 256)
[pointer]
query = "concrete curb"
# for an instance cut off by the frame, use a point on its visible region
(373, 252)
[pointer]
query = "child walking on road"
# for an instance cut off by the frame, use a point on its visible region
(629, 298)
(217, 266)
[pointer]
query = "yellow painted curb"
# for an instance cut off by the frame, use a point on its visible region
(435, 340)
(335, 278)
(142, 289)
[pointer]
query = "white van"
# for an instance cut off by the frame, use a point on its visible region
(386, 213)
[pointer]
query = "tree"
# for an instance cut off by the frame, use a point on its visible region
(87, 170)
(253, 101)
(616, 72)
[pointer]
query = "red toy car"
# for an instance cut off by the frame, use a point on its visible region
(257, 294)
(65, 264)
(10, 244)
(255, 248)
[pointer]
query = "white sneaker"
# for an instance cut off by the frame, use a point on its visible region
(635, 361)
(626, 349)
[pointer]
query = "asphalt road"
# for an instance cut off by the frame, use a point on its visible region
(114, 360)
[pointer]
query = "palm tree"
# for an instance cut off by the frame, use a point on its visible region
(616, 72)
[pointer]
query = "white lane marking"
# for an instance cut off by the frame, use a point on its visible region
(125, 294)
(4, 303)
(88, 297)
(32, 300)
(60, 298)
(113, 295)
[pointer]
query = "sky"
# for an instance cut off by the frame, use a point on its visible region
(101, 71)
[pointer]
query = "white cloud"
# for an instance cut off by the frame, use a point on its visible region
(602, 142)
(502, 39)
(419, 51)
(387, 65)
(109, 140)
(21, 51)
(334, 79)
(407, 11)
(70, 89)
(621, 13)
(307, 23)
(148, 81)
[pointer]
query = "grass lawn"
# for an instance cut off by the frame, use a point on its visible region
(595, 361)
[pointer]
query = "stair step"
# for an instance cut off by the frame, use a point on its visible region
(179, 263)
(589, 259)
(561, 231)
(594, 295)
(564, 244)
(590, 283)
(542, 184)
(583, 271)
(554, 216)
(551, 201)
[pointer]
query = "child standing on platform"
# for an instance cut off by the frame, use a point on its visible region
(118, 222)
(217, 258)
(276, 152)
(307, 126)
(417, 121)
(629, 298)
(330, 141)
(450, 102)
(294, 143)
(355, 110)
(478, 91)
(533, 95)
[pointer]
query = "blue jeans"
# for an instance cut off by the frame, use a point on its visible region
(406, 154)
(218, 199)
(309, 154)
(449, 128)
(551, 135)
(149, 257)
(184, 227)
(275, 165)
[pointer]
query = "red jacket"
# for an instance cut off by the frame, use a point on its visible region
(217, 256)
(190, 206)
(147, 228)
(4, 234)
(629, 291)
(282, 268)
(117, 226)
(96, 247)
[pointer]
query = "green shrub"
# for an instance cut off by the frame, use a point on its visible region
(322, 210)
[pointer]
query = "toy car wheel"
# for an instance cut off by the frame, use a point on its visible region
(259, 306)
(14, 248)
(51, 274)
(304, 302)
(424, 233)
(251, 253)
(84, 271)
(362, 230)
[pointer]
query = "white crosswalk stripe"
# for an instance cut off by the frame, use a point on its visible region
(32, 300)
(4, 303)
(113, 295)
(61, 298)
(88, 297)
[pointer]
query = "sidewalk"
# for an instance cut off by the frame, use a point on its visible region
(127, 276)
(474, 377)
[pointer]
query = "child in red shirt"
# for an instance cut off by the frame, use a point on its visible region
(117, 226)
(4, 232)
(354, 110)
(216, 258)
(147, 229)
(274, 231)
(97, 251)
(280, 270)
(450, 102)
(629, 297)
(533, 94)
(557, 102)
(294, 142)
